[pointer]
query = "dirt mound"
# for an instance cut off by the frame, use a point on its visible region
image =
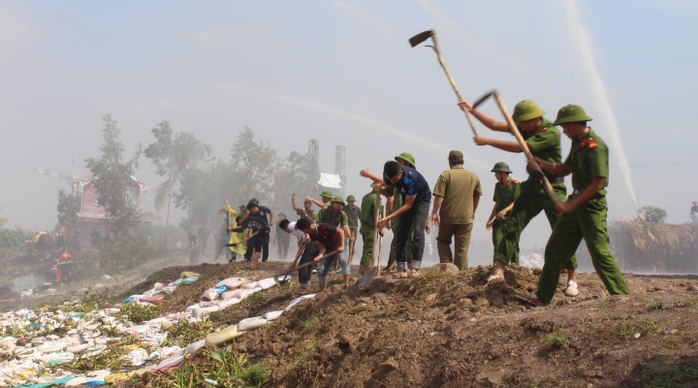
(444, 329)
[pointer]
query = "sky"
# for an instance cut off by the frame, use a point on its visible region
(344, 73)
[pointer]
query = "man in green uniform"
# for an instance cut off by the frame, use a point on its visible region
(325, 204)
(543, 140)
(368, 228)
(456, 194)
(307, 211)
(353, 214)
(584, 214)
(506, 191)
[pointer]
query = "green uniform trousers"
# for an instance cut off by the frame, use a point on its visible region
(586, 222)
(392, 257)
(498, 236)
(368, 233)
(461, 233)
(531, 202)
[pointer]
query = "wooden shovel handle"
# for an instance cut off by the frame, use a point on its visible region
(524, 147)
(451, 80)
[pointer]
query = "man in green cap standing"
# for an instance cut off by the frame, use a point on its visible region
(326, 199)
(368, 227)
(506, 191)
(543, 140)
(353, 213)
(307, 211)
(456, 196)
(585, 212)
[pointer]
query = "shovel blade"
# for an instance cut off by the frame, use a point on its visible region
(369, 274)
(484, 98)
(421, 37)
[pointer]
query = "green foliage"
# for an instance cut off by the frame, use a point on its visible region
(258, 161)
(68, 208)
(118, 256)
(13, 241)
(557, 339)
(673, 376)
(185, 332)
(653, 214)
(112, 179)
(255, 374)
(137, 313)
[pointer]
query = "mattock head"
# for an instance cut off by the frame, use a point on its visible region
(484, 98)
(421, 37)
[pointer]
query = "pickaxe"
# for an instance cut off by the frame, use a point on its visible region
(421, 37)
(517, 134)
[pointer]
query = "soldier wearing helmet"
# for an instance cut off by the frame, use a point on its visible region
(353, 215)
(585, 212)
(506, 191)
(543, 140)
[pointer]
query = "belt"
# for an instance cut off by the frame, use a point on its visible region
(597, 196)
(557, 179)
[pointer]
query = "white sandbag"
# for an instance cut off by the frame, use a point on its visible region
(245, 293)
(272, 315)
(210, 294)
(194, 347)
(231, 283)
(249, 285)
(191, 308)
(266, 283)
(203, 311)
(224, 304)
(249, 324)
(228, 295)
(297, 300)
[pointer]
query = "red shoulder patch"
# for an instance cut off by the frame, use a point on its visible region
(538, 132)
(592, 143)
(516, 181)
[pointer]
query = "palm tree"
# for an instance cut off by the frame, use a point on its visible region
(173, 154)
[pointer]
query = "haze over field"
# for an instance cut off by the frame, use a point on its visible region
(343, 73)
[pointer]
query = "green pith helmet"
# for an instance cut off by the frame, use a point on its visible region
(254, 201)
(351, 198)
(326, 194)
(501, 167)
(571, 114)
(527, 110)
(407, 157)
(338, 199)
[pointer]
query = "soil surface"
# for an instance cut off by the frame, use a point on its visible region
(450, 329)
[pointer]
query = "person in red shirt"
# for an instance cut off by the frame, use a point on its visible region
(330, 239)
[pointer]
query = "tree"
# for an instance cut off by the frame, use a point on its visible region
(255, 162)
(112, 178)
(291, 177)
(653, 214)
(68, 208)
(173, 154)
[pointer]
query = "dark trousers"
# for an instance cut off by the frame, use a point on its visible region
(311, 252)
(414, 219)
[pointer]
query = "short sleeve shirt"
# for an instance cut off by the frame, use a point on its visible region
(328, 236)
(457, 186)
(298, 234)
(589, 159)
(544, 143)
(412, 184)
(505, 194)
(264, 212)
(368, 209)
(352, 215)
(335, 219)
(311, 213)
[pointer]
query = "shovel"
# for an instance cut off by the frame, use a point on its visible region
(290, 268)
(285, 278)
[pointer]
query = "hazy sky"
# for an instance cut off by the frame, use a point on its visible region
(343, 73)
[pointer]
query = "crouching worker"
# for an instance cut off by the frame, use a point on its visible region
(310, 251)
(330, 240)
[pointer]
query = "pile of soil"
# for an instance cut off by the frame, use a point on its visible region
(451, 330)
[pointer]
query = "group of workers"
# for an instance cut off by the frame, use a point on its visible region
(324, 237)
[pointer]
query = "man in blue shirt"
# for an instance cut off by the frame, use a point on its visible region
(412, 215)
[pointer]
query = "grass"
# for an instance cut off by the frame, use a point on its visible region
(628, 329)
(672, 376)
(558, 339)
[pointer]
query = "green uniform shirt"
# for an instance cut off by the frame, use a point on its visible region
(311, 213)
(324, 207)
(589, 159)
(353, 215)
(505, 194)
(335, 219)
(457, 186)
(368, 210)
(544, 143)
